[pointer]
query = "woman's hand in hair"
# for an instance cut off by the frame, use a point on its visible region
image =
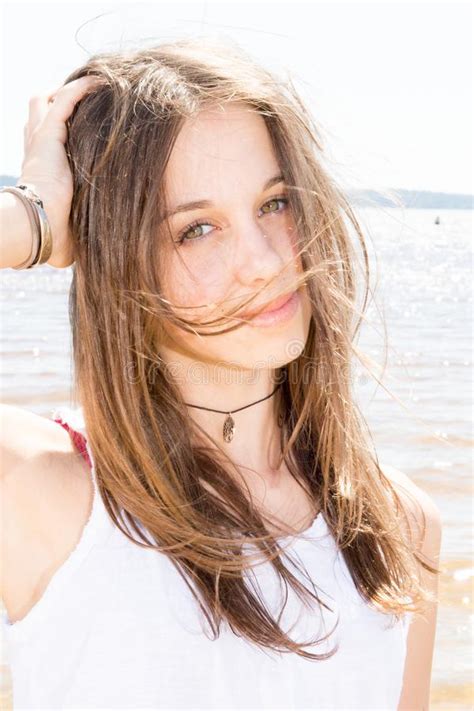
(45, 165)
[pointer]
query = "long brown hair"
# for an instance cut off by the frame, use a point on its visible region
(161, 484)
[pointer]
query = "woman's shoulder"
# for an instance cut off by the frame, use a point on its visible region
(420, 507)
(39, 457)
(29, 438)
(47, 493)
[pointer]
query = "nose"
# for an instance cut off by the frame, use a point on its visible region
(261, 252)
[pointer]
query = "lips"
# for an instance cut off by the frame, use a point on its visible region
(272, 306)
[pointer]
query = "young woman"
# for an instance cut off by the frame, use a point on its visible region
(207, 527)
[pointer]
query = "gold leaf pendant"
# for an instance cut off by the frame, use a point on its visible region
(229, 428)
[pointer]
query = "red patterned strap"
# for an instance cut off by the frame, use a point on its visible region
(78, 439)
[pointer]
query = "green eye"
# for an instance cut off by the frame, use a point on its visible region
(192, 228)
(182, 237)
(275, 200)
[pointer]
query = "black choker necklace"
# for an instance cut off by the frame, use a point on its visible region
(228, 430)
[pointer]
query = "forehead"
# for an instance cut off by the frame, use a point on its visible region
(220, 148)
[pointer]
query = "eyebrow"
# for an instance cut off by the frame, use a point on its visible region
(202, 204)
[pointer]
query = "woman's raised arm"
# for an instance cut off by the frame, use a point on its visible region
(46, 170)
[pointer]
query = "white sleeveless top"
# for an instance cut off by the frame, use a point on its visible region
(117, 628)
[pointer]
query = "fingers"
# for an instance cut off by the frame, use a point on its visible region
(60, 104)
(54, 109)
(37, 109)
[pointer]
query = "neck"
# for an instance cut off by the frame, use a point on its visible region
(256, 440)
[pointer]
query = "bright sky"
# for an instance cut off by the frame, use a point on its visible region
(389, 83)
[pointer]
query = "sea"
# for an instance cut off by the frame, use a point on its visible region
(413, 384)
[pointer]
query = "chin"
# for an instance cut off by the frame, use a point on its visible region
(272, 347)
(252, 348)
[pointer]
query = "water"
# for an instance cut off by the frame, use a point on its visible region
(422, 425)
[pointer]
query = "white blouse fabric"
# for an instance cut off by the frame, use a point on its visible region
(118, 628)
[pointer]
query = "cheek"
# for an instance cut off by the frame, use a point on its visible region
(190, 287)
(293, 239)
(288, 233)
(293, 246)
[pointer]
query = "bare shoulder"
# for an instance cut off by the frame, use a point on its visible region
(424, 514)
(38, 456)
(47, 493)
(36, 452)
(25, 435)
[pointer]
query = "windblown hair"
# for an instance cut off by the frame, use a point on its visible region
(161, 484)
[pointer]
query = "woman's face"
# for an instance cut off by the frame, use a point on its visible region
(225, 158)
